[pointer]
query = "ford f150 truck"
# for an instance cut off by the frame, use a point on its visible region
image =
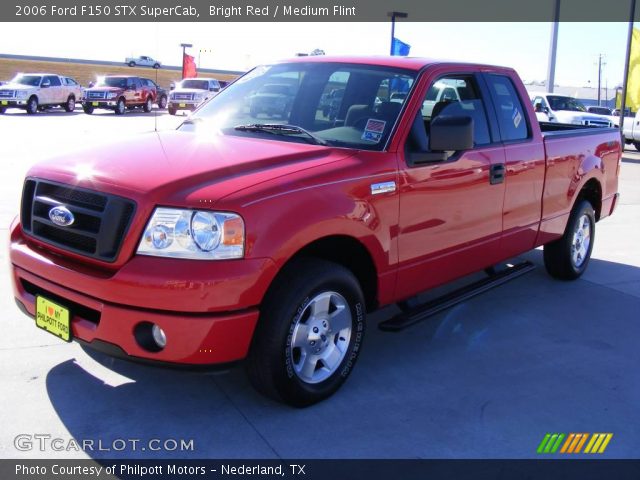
(192, 92)
(232, 238)
(563, 109)
(119, 93)
(39, 91)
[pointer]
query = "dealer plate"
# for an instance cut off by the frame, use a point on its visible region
(95, 104)
(53, 318)
(4, 102)
(183, 105)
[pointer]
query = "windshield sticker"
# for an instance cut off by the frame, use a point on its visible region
(373, 130)
(517, 118)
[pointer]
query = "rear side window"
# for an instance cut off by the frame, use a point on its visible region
(55, 81)
(512, 118)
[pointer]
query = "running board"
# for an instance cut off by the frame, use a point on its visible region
(423, 311)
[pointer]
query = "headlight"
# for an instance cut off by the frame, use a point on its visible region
(21, 94)
(193, 234)
(112, 95)
(199, 97)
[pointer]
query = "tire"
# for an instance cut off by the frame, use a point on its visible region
(172, 110)
(132, 64)
(70, 106)
(288, 333)
(567, 258)
(162, 102)
(637, 145)
(2, 110)
(148, 105)
(120, 107)
(32, 105)
(156, 65)
(88, 109)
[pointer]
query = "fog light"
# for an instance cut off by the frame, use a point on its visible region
(159, 336)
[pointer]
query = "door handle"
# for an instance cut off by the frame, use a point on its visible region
(496, 173)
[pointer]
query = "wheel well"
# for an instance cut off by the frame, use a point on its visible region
(592, 192)
(350, 253)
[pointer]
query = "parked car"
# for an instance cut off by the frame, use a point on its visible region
(599, 110)
(40, 91)
(119, 93)
(231, 239)
(272, 100)
(191, 92)
(563, 109)
(142, 61)
(160, 96)
(631, 130)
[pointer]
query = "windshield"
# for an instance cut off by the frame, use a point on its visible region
(197, 84)
(30, 80)
(340, 104)
(565, 103)
(118, 82)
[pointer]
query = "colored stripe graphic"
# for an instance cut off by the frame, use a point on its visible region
(574, 443)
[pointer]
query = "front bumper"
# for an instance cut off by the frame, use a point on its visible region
(13, 103)
(201, 326)
(183, 105)
(108, 104)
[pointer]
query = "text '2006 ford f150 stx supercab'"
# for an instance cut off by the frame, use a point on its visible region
(241, 236)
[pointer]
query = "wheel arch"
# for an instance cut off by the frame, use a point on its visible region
(592, 192)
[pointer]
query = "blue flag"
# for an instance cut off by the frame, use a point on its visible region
(400, 48)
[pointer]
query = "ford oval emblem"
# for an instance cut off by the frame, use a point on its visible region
(61, 216)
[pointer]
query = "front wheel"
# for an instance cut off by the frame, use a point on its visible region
(120, 107)
(32, 105)
(88, 109)
(172, 110)
(70, 106)
(132, 64)
(148, 105)
(2, 110)
(310, 333)
(156, 65)
(637, 145)
(567, 258)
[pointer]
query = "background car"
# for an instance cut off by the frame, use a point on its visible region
(35, 92)
(271, 99)
(142, 61)
(599, 110)
(191, 92)
(564, 109)
(118, 93)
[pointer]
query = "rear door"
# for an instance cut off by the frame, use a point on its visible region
(525, 164)
(450, 211)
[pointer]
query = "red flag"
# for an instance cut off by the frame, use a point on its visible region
(189, 67)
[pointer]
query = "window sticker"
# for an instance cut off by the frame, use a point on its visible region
(373, 130)
(516, 117)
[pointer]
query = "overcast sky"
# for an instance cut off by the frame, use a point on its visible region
(239, 46)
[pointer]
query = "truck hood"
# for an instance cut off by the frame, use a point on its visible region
(189, 90)
(180, 167)
(17, 86)
(104, 89)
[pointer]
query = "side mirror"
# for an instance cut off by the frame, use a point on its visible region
(545, 109)
(46, 84)
(172, 86)
(451, 133)
(92, 84)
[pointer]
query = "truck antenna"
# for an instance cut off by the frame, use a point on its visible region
(155, 113)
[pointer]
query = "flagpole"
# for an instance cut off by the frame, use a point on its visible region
(553, 47)
(623, 100)
(393, 16)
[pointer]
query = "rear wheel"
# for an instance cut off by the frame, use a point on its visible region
(162, 102)
(70, 106)
(156, 65)
(309, 335)
(120, 107)
(148, 105)
(567, 258)
(32, 105)
(132, 64)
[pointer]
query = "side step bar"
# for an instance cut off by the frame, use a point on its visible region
(423, 311)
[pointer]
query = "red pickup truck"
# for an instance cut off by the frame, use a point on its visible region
(268, 237)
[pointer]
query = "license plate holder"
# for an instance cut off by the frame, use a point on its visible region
(4, 102)
(95, 104)
(182, 105)
(53, 318)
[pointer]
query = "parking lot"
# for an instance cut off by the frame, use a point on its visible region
(486, 379)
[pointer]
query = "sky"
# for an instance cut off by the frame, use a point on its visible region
(240, 46)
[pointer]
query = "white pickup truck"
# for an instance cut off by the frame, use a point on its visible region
(40, 91)
(631, 130)
(142, 61)
(191, 92)
(563, 109)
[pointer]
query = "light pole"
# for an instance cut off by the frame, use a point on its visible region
(393, 16)
(184, 52)
(600, 65)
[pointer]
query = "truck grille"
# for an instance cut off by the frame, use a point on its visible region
(97, 95)
(597, 123)
(7, 93)
(100, 220)
(183, 96)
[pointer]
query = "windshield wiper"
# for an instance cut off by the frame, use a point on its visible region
(281, 129)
